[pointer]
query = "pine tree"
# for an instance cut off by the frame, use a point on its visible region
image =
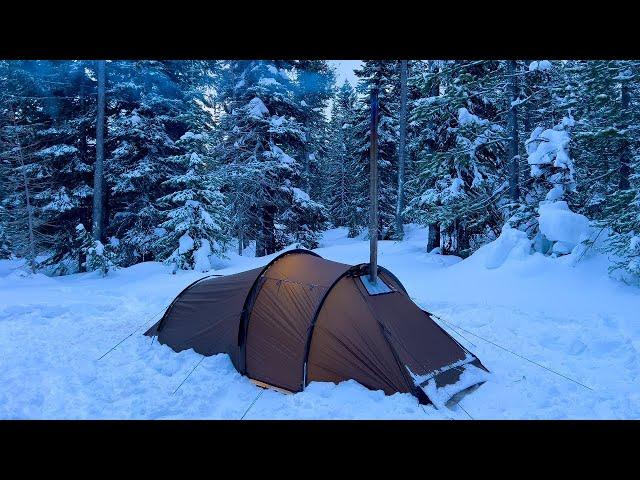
(462, 172)
(196, 214)
(345, 180)
(256, 140)
(142, 127)
(384, 75)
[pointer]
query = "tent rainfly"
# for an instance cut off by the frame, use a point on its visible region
(302, 318)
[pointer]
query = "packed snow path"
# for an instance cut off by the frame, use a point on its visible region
(573, 319)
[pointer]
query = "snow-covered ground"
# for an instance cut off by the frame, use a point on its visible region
(567, 316)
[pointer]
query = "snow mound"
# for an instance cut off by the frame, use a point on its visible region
(201, 257)
(559, 224)
(512, 244)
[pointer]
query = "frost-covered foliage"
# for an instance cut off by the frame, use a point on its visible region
(385, 76)
(266, 142)
(45, 113)
(263, 152)
(548, 157)
(97, 256)
(344, 173)
(194, 213)
(459, 151)
(303, 221)
(6, 251)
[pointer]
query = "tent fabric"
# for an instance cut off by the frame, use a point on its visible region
(206, 316)
(302, 318)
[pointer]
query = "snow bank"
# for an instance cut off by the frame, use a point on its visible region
(512, 244)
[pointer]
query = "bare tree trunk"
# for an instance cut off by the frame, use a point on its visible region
(514, 166)
(625, 161)
(265, 241)
(462, 240)
(98, 175)
(82, 258)
(27, 199)
(401, 151)
(27, 195)
(240, 238)
(433, 240)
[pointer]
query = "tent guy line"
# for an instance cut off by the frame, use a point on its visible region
(516, 354)
(146, 322)
(262, 390)
(189, 374)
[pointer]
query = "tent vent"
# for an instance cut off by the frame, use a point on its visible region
(377, 288)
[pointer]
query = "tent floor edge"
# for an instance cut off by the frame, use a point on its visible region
(268, 386)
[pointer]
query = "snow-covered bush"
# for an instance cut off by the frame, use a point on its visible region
(98, 257)
(192, 226)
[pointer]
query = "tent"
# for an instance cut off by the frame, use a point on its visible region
(303, 318)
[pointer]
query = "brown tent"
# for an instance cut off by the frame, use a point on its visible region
(302, 318)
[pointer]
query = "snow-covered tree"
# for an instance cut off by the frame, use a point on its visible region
(257, 140)
(385, 76)
(195, 225)
(97, 256)
(345, 183)
(462, 172)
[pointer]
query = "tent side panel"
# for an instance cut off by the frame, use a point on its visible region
(278, 331)
(418, 341)
(206, 316)
(348, 343)
(281, 316)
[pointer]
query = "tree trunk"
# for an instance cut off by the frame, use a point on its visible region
(27, 196)
(462, 240)
(265, 243)
(433, 240)
(434, 237)
(625, 160)
(401, 151)
(240, 239)
(98, 174)
(514, 166)
(83, 157)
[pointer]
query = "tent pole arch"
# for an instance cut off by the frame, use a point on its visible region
(356, 270)
(250, 301)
